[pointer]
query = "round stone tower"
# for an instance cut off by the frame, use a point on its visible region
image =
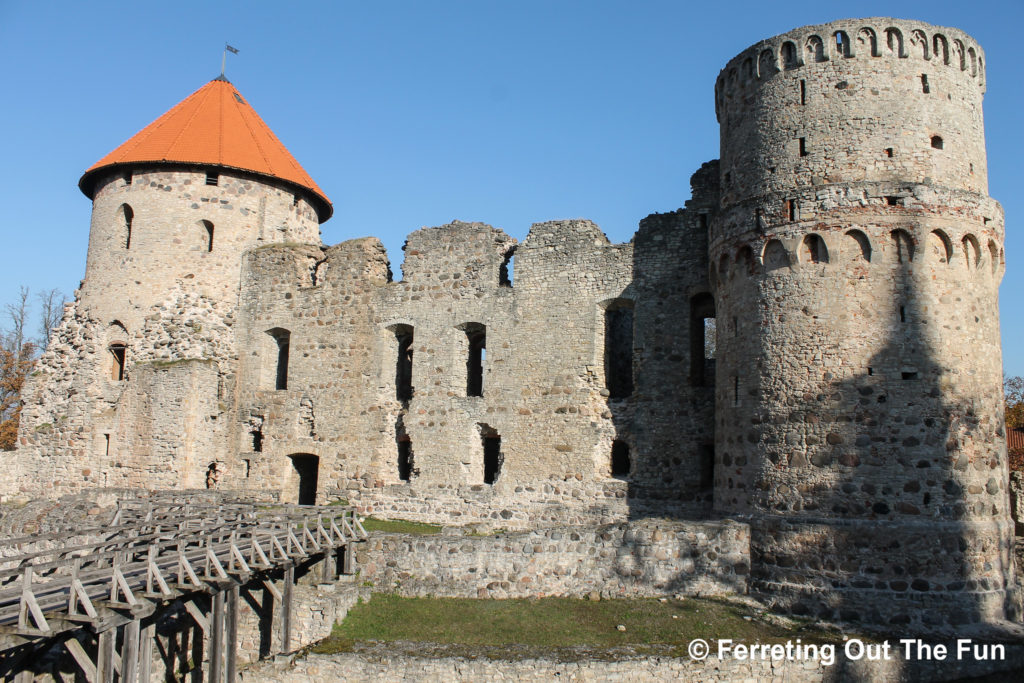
(183, 199)
(855, 260)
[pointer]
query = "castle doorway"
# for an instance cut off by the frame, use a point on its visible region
(306, 470)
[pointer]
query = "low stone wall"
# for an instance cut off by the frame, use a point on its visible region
(386, 662)
(649, 557)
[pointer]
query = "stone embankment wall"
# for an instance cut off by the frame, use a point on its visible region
(649, 558)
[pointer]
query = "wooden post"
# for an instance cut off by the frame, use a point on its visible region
(329, 563)
(130, 652)
(105, 656)
(286, 607)
(146, 651)
(217, 638)
(347, 560)
(231, 640)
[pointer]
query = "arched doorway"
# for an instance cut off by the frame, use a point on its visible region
(304, 479)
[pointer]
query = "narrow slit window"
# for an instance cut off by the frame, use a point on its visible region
(208, 236)
(925, 88)
(213, 179)
(803, 147)
(707, 467)
(257, 440)
(127, 216)
(889, 152)
(618, 349)
(621, 463)
(491, 442)
(106, 444)
(476, 336)
(703, 219)
(903, 314)
(735, 391)
(403, 363)
(791, 209)
(117, 351)
(703, 341)
(803, 91)
(404, 458)
(282, 344)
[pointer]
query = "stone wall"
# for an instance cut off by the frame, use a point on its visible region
(649, 558)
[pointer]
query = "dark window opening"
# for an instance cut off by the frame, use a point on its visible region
(283, 340)
(208, 226)
(972, 169)
(728, 177)
(476, 335)
(903, 314)
(212, 178)
(127, 178)
(888, 152)
(803, 91)
(707, 467)
(703, 342)
(117, 350)
(492, 454)
(257, 440)
(908, 375)
(924, 84)
(246, 467)
(621, 463)
(790, 207)
(403, 363)
(735, 391)
(307, 470)
(936, 142)
(127, 215)
(507, 270)
(892, 201)
(871, 371)
(618, 349)
(703, 221)
(106, 444)
(295, 200)
(803, 147)
(405, 455)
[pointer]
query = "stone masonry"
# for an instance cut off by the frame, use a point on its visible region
(810, 346)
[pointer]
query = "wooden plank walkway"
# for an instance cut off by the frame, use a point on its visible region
(148, 557)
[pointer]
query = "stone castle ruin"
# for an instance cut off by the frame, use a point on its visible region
(845, 404)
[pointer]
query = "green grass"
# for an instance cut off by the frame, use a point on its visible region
(400, 526)
(554, 623)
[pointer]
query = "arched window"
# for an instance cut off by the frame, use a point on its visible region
(207, 234)
(125, 217)
(775, 256)
(858, 247)
(813, 250)
(936, 142)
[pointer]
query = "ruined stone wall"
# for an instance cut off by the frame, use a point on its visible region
(859, 377)
(544, 385)
(647, 558)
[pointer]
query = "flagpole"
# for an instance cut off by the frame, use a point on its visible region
(223, 61)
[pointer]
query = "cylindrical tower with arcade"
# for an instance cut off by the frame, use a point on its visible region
(856, 259)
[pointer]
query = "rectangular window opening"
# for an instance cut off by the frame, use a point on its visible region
(735, 391)
(492, 454)
(618, 349)
(403, 363)
(908, 375)
(803, 91)
(212, 178)
(106, 444)
(703, 341)
(892, 201)
(791, 209)
(117, 367)
(621, 462)
(707, 466)
(888, 152)
(903, 314)
(803, 147)
(476, 335)
(925, 88)
(257, 440)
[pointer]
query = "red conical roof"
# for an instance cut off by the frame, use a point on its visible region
(213, 126)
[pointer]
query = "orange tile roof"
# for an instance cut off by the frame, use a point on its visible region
(214, 126)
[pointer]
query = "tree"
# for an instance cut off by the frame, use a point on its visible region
(51, 308)
(14, 367)
(1013, 390)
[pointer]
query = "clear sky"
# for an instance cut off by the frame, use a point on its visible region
(411, 114)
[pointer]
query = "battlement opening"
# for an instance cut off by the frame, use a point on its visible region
(507, 271)
(621, 463)
(618, 348)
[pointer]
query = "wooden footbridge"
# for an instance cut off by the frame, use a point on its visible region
(98, 593)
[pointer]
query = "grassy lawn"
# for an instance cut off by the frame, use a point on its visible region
(555, 623)
(399, 526)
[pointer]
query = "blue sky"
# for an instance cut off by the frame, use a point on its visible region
(411, 114)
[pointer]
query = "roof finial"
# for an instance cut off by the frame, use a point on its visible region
(224, 59)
